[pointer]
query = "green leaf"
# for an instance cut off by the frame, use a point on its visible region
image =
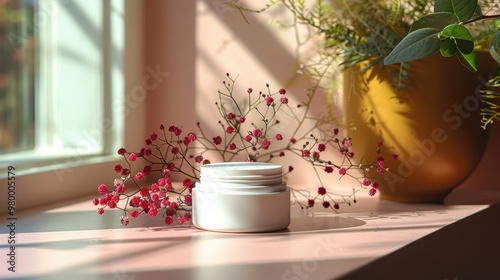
(416, 45)
(463, 9)
(494, 47)
(465, 46)
(468, 60)
(456, 31)
(461, 37)
(435, 20)
(448, 47)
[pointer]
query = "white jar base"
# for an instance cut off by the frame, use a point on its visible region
(241, 212)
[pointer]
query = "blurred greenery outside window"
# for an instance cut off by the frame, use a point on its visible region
(17, 75)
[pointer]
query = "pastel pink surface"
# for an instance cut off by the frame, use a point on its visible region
(73, 241)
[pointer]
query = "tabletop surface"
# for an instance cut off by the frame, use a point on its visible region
(74, 241)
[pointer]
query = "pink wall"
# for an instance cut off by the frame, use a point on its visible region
(194, 43)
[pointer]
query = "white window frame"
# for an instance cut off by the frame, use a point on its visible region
(44, 180)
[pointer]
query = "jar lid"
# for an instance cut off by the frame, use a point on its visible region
(245, 176)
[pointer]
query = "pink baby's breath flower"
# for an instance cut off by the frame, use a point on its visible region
(173, 205)
(103, 200)
(310, 203)
(124, 220)
(188, 199)
(322, 190)
(120, 189)
(169, 220)
(217, 140)
(122, 151)
(175, 130)
(144, 205)
(366, 182)
(153, 136)
(347, 142)
(306, 153)
(132, 157)
(232, 146)
(165, 202)
(139, 175)
(265, 144)
(198, 158)
(153, 211)
(321, 147)
(135, 201)
(134, 214)
(102, 189)
(171, 166)
(144, 192)
(269, 100)
(187, 216)
(187, 183)
(257, 133)
(147, 170)
(170, 152)
(315, 155)
(380, 162)
(181, 220)
(170, 211)
(161, 182)
(191, 137)
(394, 156)
(155, 187)
(118, 168)
(146, 152)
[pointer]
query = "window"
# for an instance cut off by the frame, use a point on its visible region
(57, 98)
(62, 96)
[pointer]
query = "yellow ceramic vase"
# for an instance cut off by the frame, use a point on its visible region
(433, 124)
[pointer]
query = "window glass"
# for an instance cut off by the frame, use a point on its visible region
(17, 75)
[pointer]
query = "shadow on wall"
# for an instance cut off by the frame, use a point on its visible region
(197, 63)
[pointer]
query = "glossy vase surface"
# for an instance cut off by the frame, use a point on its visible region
(433, 124)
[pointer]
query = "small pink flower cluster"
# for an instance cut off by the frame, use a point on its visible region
(171, 151)
(148, 200)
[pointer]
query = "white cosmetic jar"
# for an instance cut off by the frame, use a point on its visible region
(241, 197)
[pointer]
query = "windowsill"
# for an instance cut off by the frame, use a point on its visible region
(371, 238)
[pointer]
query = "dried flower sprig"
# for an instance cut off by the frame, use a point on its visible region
(248, 133)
